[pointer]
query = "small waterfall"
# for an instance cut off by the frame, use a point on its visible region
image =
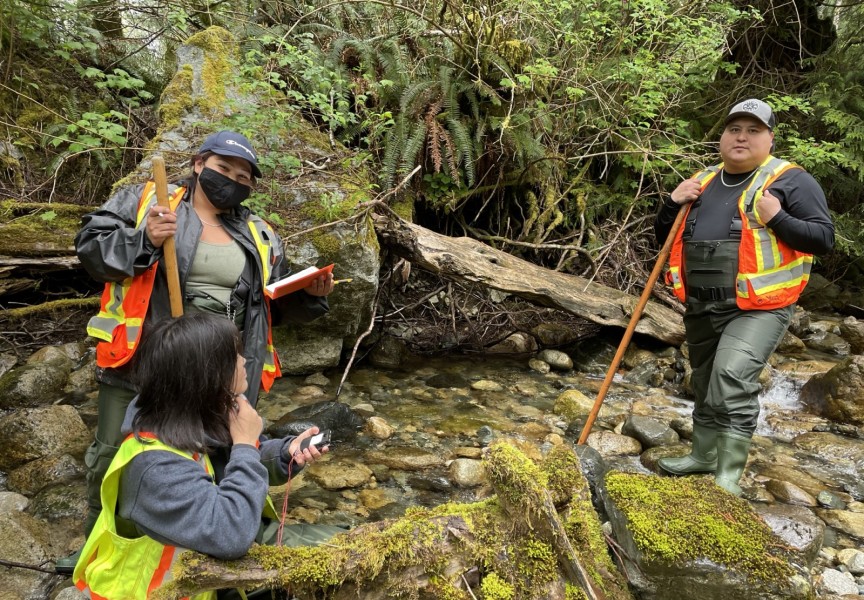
(782, 395)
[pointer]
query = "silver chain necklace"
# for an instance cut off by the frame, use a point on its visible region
(220, 224)
(734, 185)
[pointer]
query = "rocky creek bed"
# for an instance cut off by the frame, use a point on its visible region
(414, 436)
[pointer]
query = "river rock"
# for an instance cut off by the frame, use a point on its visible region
(791, 344)
(838, 394)
(467, 473)
(608, 443)
(32, 433)
(844, 452)
(829, 500)
(388, 353)
(792, 474)
(556, 359)
(515, 343)
(378, 428)
(819, 294)
(852, 559)
(338, 417)
(646, 373)
(788, 493)
(338, 474)
(851, 523)
(835, 582)
(801, 530)
(10, 502)
(535, 364)
(7, 361)
(555, 334)
(61, 502)
(803, 370)
(26, 540)
(573, 405)
(852, 331)
(42, 472)
(650, 432)
(302, 351)
(830, 343)
(635, 356)
(447, 380)
(405, 458)
(486, 385)
(375, 498)
(34, 384)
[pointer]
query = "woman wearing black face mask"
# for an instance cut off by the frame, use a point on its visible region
(225, 256)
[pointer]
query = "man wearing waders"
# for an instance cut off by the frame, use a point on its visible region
(739, 263)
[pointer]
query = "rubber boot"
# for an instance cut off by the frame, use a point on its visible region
(65, 565)
(732, 450)
(702, 457)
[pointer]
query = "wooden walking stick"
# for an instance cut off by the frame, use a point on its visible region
(169, 252)
(628, 334)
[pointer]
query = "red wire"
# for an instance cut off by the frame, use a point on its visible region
(285, 504)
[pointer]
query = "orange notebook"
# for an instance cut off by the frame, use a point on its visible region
(297, 281)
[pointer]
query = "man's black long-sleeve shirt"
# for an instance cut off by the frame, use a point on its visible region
(803, 222)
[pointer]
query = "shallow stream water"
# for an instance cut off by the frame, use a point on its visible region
(433, 404)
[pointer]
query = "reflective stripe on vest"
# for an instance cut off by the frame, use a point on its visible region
(268, 253)
(113, 567)
(125, 303)
(770, 273)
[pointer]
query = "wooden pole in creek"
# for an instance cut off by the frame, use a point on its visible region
(634, 319)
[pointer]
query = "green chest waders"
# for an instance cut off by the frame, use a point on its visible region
(710, 269)
(710, 272)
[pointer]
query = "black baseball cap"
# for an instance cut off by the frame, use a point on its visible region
(754, 108)
(231, 143)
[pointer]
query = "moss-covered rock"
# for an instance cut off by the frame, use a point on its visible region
(687, 538)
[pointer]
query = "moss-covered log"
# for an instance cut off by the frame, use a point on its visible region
(512, 546)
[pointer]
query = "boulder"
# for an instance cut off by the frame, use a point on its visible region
(33, 433)
(852, 330)
(26, 540)
(35, 384)
(686, 539)
(838, 394)
(650, 432)
(42, 472)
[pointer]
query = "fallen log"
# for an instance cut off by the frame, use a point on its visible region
(513, 545)
(471, 260)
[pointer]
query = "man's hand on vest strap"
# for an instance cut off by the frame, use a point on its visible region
(687, 191)
(768, 206)
(161, 224)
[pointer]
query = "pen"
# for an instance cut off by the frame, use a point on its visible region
(349, 280)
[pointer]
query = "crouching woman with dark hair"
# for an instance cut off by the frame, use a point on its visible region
(193, 471)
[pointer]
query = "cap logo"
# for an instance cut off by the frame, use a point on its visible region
(245, 149)
(750, 106)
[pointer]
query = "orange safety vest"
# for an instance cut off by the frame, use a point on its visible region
(771, 274)
(124, 304)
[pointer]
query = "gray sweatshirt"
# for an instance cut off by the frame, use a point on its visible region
(174, 501)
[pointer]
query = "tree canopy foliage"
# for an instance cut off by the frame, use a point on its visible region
(550, 129)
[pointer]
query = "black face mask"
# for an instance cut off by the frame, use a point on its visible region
(222, 192)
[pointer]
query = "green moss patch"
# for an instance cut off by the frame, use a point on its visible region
(674, 520)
